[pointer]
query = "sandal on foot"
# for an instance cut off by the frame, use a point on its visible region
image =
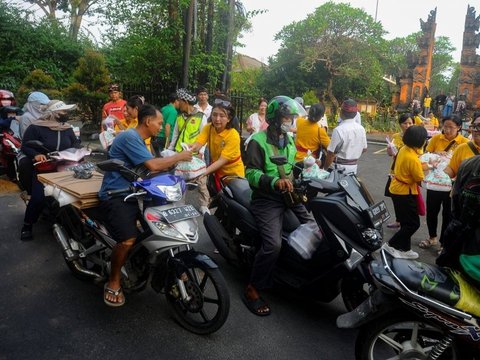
(255, 305)
(117, 293)
(427, 243)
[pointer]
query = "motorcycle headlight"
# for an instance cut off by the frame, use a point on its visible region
(372, 238)
(172, 193)
(168, 230)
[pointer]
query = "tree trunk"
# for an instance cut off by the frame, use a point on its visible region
(229, 47)
(330, 95)
(77, 10)
(173, 21)
(187, 43)
(210, 20)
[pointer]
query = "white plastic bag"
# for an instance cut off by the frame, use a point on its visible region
(437, 179)
(167, 153)
(106, 138)
(190, 169)
(311, 170)
(305, 239)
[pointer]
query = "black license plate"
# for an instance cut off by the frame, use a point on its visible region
(179, 213)
(378, 213)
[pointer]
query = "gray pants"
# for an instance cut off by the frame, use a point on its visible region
(269, 217)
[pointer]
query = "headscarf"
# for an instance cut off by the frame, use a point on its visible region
(50, 118)
(33, 109)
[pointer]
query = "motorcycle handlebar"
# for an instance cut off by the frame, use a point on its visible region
(119, 191)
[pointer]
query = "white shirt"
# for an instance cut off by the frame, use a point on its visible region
(207, 111)
(348, 140)
(357, 119)
(323, 122)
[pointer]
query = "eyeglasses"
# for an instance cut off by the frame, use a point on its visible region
(222, 102)
(450, 127)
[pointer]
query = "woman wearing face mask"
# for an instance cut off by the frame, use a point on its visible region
(272, 195)
(55, 134)
(223, 142)
(441, 144)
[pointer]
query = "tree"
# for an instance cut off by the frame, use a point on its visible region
(342, 41)
(89, 90)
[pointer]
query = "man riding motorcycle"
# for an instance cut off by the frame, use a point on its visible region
(272, 195)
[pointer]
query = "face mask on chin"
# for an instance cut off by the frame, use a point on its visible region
(284, 128)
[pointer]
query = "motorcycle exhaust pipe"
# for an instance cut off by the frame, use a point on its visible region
(62, 239)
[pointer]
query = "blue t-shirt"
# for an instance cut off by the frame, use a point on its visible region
(129, 147)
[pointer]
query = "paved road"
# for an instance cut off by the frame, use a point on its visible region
(48, 314)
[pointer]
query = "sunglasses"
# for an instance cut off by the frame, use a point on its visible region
(222, 102)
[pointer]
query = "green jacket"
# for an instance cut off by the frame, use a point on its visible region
(261, 172)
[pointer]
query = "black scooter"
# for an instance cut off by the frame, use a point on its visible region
(334, 260)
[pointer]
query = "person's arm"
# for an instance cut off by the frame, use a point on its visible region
(255, 164)
(329, 159)
(449, 171)
(167, 135)
(216, 165)
(30, 134)
(160, 164)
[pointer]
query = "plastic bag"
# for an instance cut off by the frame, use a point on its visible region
(190, 169)
(437, 179)
(305, 239)
(167, 153)
(106, 138)
(311, 170)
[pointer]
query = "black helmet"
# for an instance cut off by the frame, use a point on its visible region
(283, 106)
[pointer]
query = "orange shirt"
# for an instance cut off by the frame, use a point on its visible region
(310, 136)
(115, 109)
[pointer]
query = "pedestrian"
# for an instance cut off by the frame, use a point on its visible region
(440, 101)
(405, 121)
(114, 107)
(404, 189)
(257, 122)
(310, 135)
(441, 144)
(448, 109)
(427, 101)
(202, 105)
(169, 113)
(348, 141)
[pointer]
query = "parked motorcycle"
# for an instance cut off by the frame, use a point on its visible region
(9, 143)
(162, 256)
(412, 313)
(350, 229)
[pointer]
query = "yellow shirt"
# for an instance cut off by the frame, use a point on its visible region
(309, 137)
(408, 172)
(427, 101)
(439, 143)
(225, 144)
(397, 140)
(417, 120)
(434, 122)
(462, 152)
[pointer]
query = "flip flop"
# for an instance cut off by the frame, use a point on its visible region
(255, 305)
(116, 293)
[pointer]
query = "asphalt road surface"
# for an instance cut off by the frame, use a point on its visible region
(46, 313)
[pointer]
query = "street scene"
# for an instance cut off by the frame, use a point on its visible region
(221, 179)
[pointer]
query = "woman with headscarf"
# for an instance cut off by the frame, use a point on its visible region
(53, 131)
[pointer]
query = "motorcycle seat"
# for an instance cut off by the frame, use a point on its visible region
(427, 279)
(240, 191)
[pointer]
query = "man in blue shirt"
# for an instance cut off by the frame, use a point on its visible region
(129, 146)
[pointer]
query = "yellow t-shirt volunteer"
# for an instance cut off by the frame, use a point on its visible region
(462, 152)
(439, 143)
(309, 137)
(427, 101)
(408, 172)
(417, 120)
(225, 144)
(397, 140)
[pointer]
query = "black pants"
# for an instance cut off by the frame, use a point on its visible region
(269, 217)
(25, 174)
(37, 201)
(406, 212)
(435, 200)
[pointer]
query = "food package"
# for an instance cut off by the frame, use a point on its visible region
(190, 169)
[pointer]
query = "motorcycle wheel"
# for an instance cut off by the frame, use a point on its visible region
(208, 305)
(353, 291)
(400, 336)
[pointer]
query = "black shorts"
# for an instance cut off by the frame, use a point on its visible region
(121, 218)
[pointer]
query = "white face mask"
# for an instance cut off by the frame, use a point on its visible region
(285, 128)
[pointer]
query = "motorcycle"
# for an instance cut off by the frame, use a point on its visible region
(162, 256)
(349, 230)
(412, 314)
(9, 144)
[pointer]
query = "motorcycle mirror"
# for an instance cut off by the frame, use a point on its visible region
(279, 160)
(111, 165)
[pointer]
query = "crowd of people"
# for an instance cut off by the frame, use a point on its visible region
(191, 126)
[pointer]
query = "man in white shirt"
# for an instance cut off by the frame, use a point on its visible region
(348, 141)
(202, 105)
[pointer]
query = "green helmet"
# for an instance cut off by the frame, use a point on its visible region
(283, 106)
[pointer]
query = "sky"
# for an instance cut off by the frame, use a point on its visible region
(399, 19)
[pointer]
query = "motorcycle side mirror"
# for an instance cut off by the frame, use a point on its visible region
(111, 165)
(37, 145)
(279, 160)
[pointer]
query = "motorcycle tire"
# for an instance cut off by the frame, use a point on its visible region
(219, 237)
(209, 302)
(391, 336)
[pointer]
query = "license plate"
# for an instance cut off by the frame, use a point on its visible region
(378, 213)
(180, 213)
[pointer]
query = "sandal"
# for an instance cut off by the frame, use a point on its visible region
(427, 243)
(117, 293)
(256, 305)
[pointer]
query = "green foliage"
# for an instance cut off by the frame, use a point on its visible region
(89, 90)
(38, 80)
(310, 97)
